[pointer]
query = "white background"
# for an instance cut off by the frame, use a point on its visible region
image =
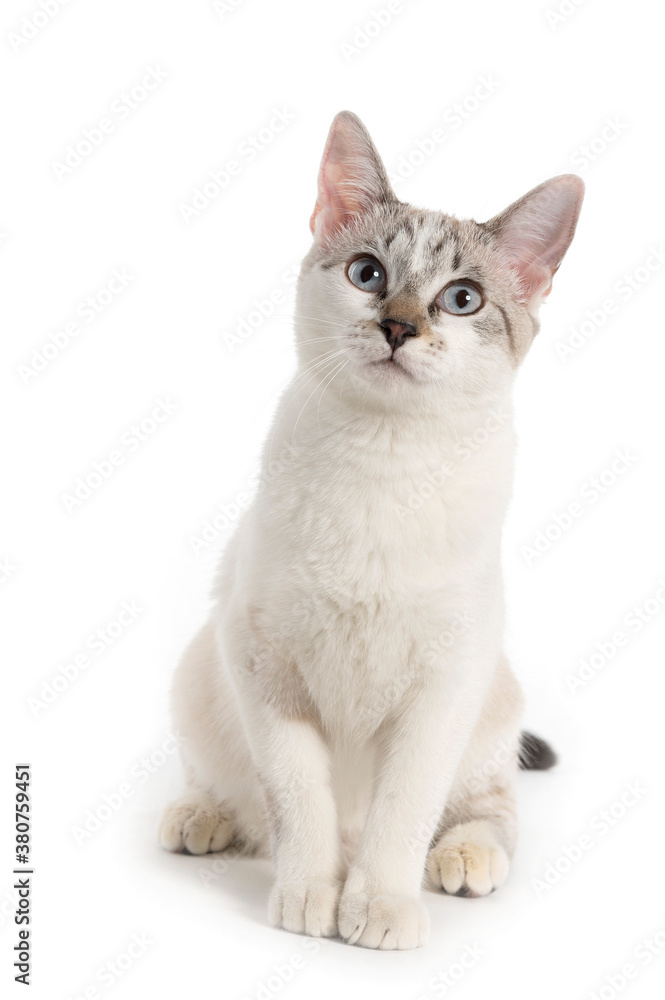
(165, 336)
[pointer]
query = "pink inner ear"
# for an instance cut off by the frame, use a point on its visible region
(351, 177)
(536, 232)
(330, 202)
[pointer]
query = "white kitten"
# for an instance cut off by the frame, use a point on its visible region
(348, 705)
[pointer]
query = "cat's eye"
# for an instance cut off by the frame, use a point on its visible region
(461, 298)
(367, 274)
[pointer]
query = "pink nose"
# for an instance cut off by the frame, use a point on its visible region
(395, 331)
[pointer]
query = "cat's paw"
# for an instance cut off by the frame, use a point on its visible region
(386, 921)
(195, 823)
(305, 907)
(468, 860)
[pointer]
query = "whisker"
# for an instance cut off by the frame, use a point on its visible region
(338, 371)
(301, 378)
(317, 386)
(293, 378)
(319, 319)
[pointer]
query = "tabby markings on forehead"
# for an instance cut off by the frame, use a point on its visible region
(471, 273)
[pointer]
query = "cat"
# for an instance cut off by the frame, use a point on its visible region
(348, 709)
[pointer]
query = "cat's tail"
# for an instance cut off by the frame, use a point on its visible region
(535, 754)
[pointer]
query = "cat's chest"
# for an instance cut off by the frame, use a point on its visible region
(400, 525)
(360, 566)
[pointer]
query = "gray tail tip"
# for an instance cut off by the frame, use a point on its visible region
(535, 754)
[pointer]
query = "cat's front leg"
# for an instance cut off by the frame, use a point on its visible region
(380, 905)
(295, 774)
(293, 766)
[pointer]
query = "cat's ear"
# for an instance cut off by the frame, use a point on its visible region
(534, 233)
(352, 178)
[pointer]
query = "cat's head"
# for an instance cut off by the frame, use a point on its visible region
(406, 304)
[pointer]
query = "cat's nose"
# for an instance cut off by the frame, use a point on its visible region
(396, 332)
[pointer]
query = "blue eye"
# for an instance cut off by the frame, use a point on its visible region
(367, 274)
(461, 298)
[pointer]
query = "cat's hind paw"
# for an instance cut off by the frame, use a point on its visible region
(468, 860)
(197, 824)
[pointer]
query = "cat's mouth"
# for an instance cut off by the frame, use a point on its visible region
(392, 366)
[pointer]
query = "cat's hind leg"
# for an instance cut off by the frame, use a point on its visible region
(475, 840)
(223, 803)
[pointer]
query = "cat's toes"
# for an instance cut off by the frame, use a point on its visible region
(195, 823)
(468, 860)
(305, 907)
(387, 922)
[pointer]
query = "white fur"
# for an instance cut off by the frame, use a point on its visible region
(336, 578)
(348, 704)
